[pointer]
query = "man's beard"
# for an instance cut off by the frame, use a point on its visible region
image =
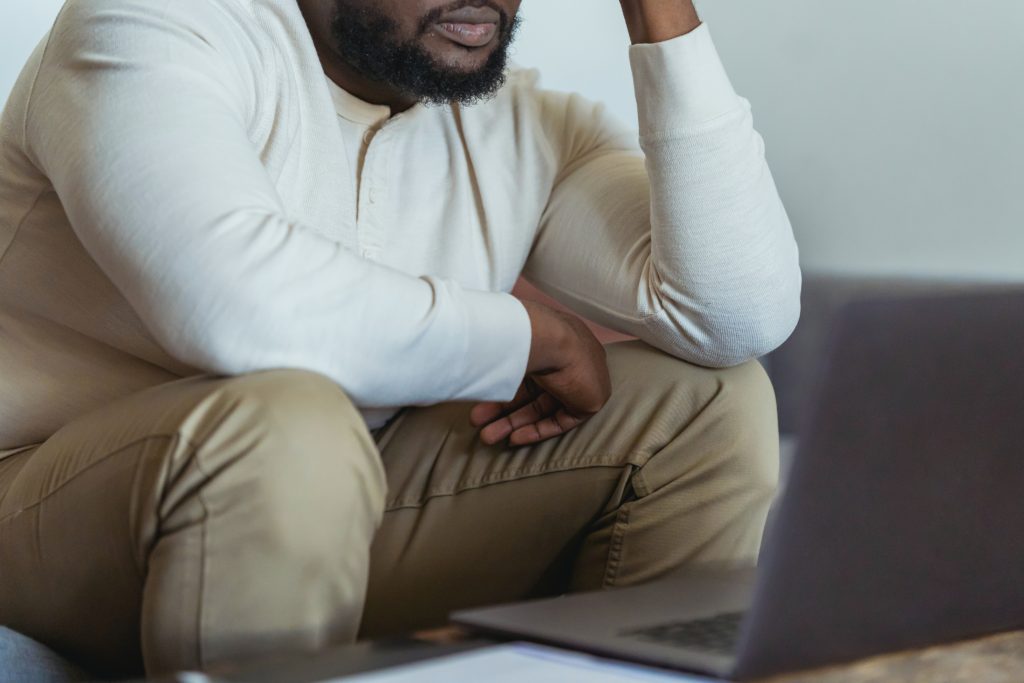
(364, 37)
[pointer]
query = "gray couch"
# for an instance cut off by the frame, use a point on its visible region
(792, 368)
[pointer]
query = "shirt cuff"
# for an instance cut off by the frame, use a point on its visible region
(680, 83)
(498, 339)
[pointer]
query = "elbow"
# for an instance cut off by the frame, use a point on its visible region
(755, 335)
(740, 330)
(728, 337)
(724, 322)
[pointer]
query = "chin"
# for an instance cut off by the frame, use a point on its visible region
(466, 60)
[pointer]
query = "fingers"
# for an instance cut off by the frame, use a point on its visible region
(533, 415)
(540, 419)
(487, 412)
(555, 425)
(534, 411)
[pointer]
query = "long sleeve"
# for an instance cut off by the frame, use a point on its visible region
(686, 245)
(141, 120)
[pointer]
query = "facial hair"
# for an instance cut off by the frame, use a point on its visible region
(365, 38)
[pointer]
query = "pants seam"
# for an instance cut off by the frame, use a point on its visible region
(616, 547)
(203, 545)
(640, 487)
(518, 475)
(85, 469)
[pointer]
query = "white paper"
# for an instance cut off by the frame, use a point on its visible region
(193, 677)
(516, 663)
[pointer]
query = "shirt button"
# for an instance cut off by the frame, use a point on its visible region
(368, 137)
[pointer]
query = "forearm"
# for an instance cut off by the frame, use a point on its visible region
(698, 260)
(690, 248)
(654, 21)
(723, 256)
(723, 263)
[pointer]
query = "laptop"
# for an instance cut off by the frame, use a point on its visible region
(901, 525)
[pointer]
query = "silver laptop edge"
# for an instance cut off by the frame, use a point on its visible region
(902, 523)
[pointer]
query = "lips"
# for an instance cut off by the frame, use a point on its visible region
(470, 26)
(468, 35)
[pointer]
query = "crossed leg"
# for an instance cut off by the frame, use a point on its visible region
(212, 519)
(678, 468)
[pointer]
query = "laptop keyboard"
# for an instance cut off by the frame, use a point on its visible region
(716, 634)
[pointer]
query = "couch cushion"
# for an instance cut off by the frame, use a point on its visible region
(794, 366)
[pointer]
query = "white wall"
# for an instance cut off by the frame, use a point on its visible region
(22, 24)
(895, 128)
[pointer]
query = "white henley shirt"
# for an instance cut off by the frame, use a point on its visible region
(182, 191)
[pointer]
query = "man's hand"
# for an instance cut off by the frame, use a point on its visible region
(653, 21)
(566, 382)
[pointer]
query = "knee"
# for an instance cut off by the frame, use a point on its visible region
(297, 452)
(725, 418)
(749, 415)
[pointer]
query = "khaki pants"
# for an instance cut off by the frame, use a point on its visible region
(212, 519)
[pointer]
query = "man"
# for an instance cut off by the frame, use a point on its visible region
(263, 386)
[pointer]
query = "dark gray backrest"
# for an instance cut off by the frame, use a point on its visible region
(903, 521)
(795, 365)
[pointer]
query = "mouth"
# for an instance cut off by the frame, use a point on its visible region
(471, 27)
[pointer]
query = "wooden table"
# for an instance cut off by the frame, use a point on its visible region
(995, 659)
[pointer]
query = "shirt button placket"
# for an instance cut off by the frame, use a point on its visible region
(366, 192)
(374, 192)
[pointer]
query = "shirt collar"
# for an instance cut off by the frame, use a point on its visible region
(354, 109)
